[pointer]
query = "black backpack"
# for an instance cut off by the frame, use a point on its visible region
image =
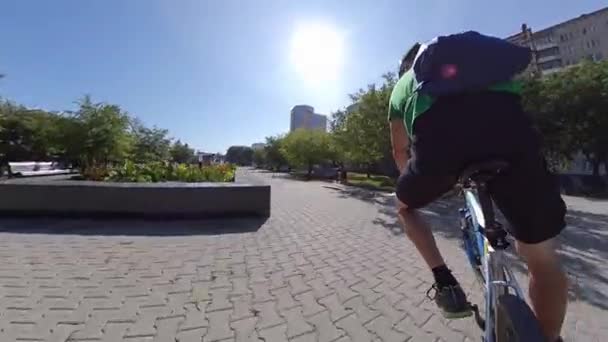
(467, 61)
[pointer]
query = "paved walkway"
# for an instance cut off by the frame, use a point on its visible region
(329, 265)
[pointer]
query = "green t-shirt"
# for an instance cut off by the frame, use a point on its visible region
(407, 104)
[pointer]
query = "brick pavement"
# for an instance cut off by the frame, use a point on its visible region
(327, 266)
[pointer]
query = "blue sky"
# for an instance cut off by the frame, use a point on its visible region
(218, 72)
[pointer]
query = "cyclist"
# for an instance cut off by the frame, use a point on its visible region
(446, 134)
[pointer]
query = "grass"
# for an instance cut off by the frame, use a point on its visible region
(375, 182)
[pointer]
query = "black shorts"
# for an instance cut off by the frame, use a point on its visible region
(463, 129)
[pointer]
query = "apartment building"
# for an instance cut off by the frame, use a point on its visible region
(567, 43)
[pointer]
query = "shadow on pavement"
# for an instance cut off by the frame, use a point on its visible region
(130, 227)
(584, 241)
(375, 197)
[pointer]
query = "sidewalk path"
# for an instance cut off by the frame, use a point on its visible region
(330, 264)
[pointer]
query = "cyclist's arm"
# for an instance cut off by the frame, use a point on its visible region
(400, 143)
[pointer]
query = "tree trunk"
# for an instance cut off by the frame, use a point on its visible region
(369, 171)
(309, 175)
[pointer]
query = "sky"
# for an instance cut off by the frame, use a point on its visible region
(218, 73)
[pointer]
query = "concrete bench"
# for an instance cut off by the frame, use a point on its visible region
(73, 198)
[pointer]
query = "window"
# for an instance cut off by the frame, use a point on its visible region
(556, 63)
(562, 38)
(584, 31)
(553, 51)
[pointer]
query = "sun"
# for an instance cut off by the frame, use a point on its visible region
(317, 52)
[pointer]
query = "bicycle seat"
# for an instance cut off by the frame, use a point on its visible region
(483, 171)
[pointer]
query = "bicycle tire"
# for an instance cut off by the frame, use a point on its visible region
(515, 321)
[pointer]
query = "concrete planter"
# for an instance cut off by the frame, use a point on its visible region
(102, 199)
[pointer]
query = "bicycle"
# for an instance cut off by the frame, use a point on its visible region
(507, 315)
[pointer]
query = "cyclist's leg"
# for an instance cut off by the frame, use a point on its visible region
(548, 285)
(415, 190)
(536, 216)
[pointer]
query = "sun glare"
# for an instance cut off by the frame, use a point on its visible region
(317, 52)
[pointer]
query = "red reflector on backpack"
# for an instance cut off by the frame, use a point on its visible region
(449, 71)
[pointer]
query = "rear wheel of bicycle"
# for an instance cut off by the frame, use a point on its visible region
(515, 321)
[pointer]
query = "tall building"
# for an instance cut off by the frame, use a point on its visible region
(304, 116)
(567, 43)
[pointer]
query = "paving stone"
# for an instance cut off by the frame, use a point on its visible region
(296, 324)
(355, 329)
(244, 329)
(362, 312)
(242, 308)
(276, 333)
(336, 310)
(268, 316)
(166, 329)
(219, 328)
(284, 299)
(192, 335)
(383, 328)
(325, 328)
(312, 337)
(309, 304)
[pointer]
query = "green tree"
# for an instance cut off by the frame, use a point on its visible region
(182, 153)
(240, 155)
(588, 110)
(570, 110)
(306, 148)
(362, 135)
(27, 134)
(275, 159)
(259, 157)
(104, 135)
(149, 144)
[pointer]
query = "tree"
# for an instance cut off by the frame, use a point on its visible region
(259, 157)
(104, 135)
(272, 150)
(305, 148)
(362, 136)
(27, 134)
(93, 136)
(588, 110)
(240, 155)
(149, 144)
(570, 109)
(182, 153)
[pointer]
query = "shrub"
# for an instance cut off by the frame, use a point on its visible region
(169, 172)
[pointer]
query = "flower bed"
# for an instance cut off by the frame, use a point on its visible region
(162, 172)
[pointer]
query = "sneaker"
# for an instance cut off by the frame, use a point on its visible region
(451, 300)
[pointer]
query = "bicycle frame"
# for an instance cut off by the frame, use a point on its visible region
(489, 236)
